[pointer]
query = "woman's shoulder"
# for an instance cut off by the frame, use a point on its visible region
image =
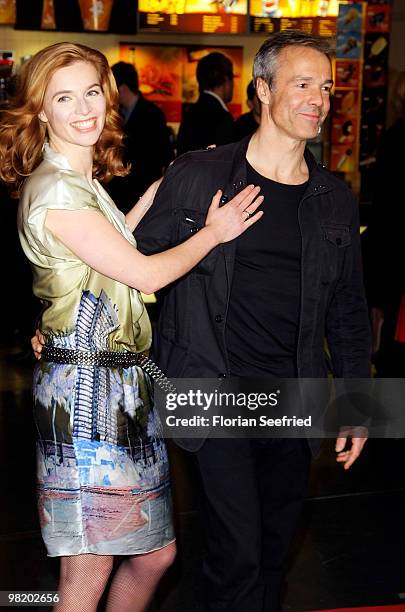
(52, 187)
(42, 179)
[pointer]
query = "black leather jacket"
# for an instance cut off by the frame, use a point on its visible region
(190, 338)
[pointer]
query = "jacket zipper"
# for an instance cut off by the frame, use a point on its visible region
(241, 184)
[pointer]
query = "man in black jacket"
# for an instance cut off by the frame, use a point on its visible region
(209, 121)
(262, 306)
(147, 144)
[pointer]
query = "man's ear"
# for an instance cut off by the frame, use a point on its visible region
(263, 91)
(43, 117)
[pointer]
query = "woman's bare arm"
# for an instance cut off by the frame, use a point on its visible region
(142, 206)
(90, 236)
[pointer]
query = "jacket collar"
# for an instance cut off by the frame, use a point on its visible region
(318, 181)
(218, 98)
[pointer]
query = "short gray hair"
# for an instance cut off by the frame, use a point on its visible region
(266, 59)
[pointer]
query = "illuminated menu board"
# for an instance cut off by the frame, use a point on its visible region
(198, 16)
(118, 16)
(311, 16)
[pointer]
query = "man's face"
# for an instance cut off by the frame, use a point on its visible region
(228, 90)
(126, 95)
(299, 99)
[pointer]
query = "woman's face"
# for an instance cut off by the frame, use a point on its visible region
(74, 107)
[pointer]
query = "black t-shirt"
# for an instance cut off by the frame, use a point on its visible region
(263, 314)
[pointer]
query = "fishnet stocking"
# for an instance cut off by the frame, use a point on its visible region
(82, 582)
(136, 579)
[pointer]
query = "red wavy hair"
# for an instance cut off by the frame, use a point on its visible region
(22, 134)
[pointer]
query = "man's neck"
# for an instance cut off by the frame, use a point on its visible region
(218, 97)
(128, 107)
(256, 117)
(131, 99)
(279, 158)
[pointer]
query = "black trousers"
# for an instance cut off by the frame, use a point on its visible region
(254, 490)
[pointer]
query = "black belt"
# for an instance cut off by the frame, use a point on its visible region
(107, 359)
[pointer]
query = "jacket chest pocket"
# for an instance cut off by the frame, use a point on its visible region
(336, 238)
(190, 222)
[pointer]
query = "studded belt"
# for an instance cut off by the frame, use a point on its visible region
(108, 359)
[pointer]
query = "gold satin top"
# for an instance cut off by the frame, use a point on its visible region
(61, 279)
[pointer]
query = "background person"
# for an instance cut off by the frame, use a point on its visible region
(209, 121)
(148, 146)
(383, 245)
(248, 123)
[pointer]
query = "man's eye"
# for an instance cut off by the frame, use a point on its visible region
(302, 85)
(327, 89)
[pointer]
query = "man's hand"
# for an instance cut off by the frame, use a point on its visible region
(359, 438)
(37, 342)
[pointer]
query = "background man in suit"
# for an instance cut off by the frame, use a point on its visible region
(209, 121)
(148, 144)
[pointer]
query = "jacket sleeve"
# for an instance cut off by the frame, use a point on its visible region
(156, 231)
(347, 322)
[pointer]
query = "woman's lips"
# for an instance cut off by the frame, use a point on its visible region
(87, 125)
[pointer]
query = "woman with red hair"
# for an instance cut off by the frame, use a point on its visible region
(103, 476)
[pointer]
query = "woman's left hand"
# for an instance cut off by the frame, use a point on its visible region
(37, 342)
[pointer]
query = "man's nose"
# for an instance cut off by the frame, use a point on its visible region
(317, 98)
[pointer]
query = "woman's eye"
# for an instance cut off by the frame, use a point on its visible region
(93, 92)
(64, 99)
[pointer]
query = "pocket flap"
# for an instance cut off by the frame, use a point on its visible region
(190, 222)
(338, 235)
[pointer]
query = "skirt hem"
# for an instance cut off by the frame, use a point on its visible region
(115, 554)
